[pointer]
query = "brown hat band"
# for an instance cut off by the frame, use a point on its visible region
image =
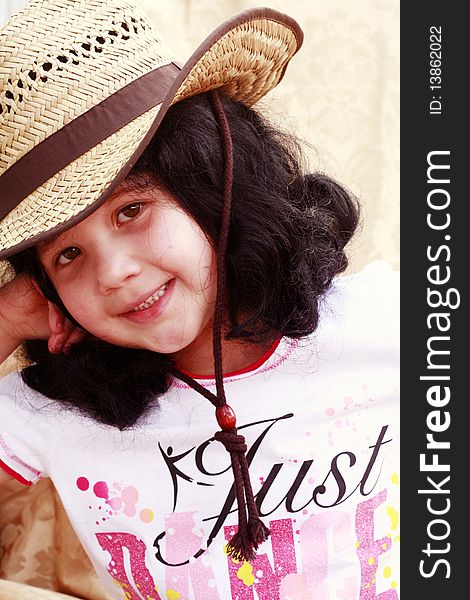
(86, 131)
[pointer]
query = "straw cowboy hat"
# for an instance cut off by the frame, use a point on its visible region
(84, 84)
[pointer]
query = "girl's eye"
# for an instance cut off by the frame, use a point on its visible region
(67, 255)
(129, 212)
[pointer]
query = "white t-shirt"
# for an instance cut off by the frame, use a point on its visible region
(320, 417)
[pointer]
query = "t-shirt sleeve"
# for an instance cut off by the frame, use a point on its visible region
(23, 437)
(363, 310)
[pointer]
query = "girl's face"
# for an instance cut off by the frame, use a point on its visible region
(138, 272)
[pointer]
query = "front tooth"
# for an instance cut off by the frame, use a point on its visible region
(151, 300)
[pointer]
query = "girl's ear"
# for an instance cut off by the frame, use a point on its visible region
(64, 334)
(56, 318)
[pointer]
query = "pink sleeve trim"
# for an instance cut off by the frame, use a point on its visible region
(14, 474)
(8, 453)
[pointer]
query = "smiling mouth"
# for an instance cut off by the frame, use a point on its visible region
(151, 300)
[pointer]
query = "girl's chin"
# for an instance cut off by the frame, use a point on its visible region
(171, 348)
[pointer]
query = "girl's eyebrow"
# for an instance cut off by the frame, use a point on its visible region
(45, 246)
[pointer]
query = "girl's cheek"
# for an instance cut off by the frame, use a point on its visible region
(79, 306)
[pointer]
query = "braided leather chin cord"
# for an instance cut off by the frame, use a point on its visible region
(251, 530)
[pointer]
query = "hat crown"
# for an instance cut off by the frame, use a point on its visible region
(59, 58)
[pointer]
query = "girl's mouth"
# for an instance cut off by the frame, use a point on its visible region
(155, 297)
(153, 306)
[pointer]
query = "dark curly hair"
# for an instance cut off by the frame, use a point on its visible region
(287, 237)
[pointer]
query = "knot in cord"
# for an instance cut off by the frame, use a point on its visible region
(232, 441)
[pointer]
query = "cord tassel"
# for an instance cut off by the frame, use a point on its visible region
(251, 530)
(257, 530)
(240, 547)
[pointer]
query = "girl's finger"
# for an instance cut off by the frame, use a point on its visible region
(63, 341)
(58, 341)
(54, 344)
(75, 336)
(70, 334)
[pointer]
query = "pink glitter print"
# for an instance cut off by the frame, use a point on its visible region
(369, 549)
(314, 534)
(265, 579)
(142, 584)
(184, 539)
(294, 587)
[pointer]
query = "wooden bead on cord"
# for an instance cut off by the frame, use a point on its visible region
(226, 418)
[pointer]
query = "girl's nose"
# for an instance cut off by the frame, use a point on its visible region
(116, 269)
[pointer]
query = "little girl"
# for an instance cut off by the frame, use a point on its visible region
(168, 253)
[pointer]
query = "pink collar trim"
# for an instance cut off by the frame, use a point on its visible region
(256, 365)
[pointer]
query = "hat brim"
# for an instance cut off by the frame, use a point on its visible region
(245, 57)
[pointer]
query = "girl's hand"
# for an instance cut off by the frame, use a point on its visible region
(25, 314)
